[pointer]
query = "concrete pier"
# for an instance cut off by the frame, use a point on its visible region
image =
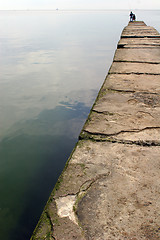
(110, 187)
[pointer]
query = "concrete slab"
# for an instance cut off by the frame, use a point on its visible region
(126, 113)
(126, 202)
(139, 30)
(133, 83)
(136, 68)
(151, 55)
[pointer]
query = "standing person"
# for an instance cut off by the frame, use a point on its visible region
(131, 17)
(134, 17)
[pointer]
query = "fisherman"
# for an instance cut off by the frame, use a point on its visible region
(131, 17)
(134, 17)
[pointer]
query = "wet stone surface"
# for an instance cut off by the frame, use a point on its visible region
(110, 186)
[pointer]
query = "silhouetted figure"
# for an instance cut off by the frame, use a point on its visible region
(131, 17)
(134, 17)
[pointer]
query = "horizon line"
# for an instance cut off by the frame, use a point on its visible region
(100, 9)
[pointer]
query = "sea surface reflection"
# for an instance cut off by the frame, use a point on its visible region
(52, 66)
(32, 157)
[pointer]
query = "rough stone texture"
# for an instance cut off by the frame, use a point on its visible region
(125, 204)
(110, 187)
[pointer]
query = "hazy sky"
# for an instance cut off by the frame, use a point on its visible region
(79, 4)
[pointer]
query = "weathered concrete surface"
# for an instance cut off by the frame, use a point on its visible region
(110, 187)
(140, 55)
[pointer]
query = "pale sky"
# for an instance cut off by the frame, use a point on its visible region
(78, 4)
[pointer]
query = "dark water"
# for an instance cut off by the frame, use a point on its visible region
(31, 160)
(52, 66)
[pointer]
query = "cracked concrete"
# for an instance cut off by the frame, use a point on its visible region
(109, 189)
(128, 113)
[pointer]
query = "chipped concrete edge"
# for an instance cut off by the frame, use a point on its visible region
(45, 216)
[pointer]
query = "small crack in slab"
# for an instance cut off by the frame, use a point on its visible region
(130, 91)
(51, 224)
(123, 131)
(128, 172)
(136, 73)
(87, 184)
(140, 36)
(125, 47)
(126, 61)
(122, 91)
(102, 112)
(109, 113)
(98, 137)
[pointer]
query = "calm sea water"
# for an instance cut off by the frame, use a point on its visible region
(52, 66)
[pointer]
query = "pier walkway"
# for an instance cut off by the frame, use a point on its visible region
(110, 187)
